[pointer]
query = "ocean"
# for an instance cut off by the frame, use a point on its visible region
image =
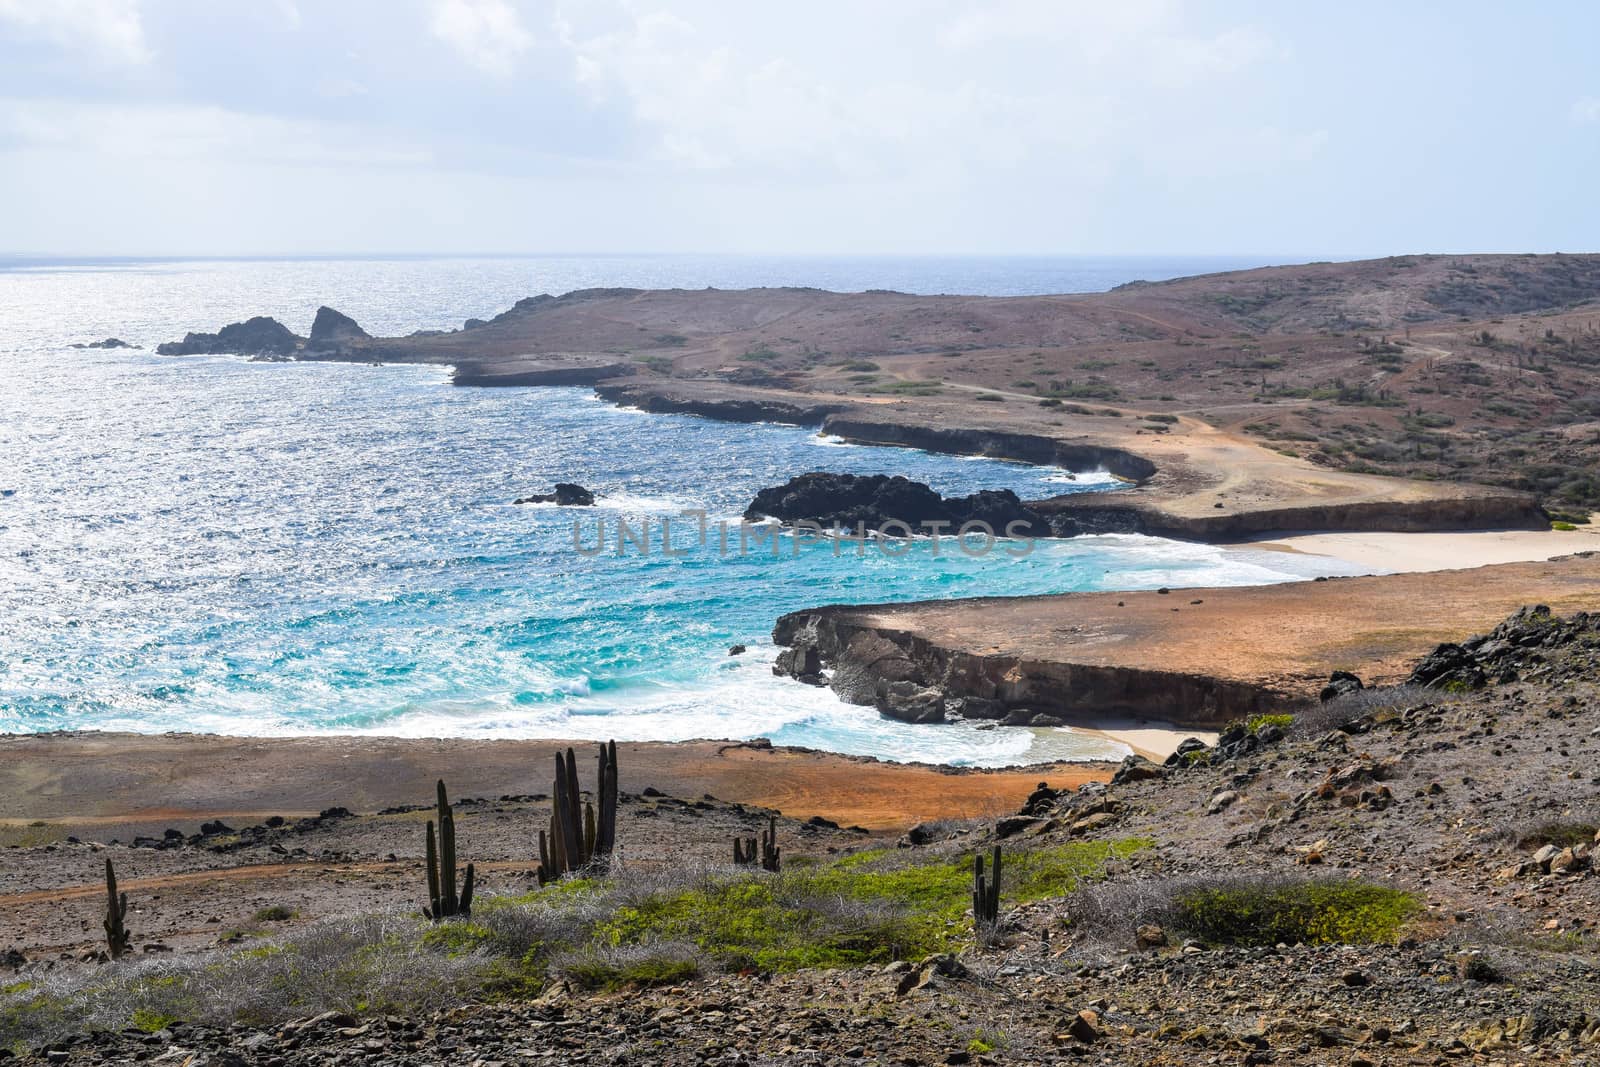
(208, 544)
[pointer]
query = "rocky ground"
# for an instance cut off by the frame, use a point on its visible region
(1481, 803)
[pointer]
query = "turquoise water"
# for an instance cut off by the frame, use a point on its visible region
(204, 543)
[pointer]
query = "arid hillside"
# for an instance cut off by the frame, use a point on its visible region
(1477, 368)
(1444, 368)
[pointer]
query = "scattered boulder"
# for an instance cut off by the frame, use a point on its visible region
(906, 701)
(1084, 1026)
(1149, 936)
(976, 707)
(802, 662)
(1186, 746)
(567, 495)
(1446, 665)
(1339, 684)
(1221, 801)
(1137, 769)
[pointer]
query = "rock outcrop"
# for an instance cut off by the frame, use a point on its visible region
(1504, 652)
(660, 400)
(332, 330)
(532, 372)
(109, 342)
(253, 337)
(1104, 513)
(567, 495)
(893, 504)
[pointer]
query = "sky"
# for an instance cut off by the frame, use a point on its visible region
(1139, 127)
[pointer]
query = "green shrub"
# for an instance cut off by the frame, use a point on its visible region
(1559, 834)
(1563, 526)
(275, 913)
(1256, 723)
(150, 1021)
(647, 966)
(1302, 912)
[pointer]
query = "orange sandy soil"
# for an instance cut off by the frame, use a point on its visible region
(118, 784)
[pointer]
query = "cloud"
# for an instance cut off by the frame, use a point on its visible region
(107, 30)
(488, 34)
(1585, 110)
(1035, 85)
(173, 133)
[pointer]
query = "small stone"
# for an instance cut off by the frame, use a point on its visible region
(1150, 936)
(1085, 1026)
(1221, 801)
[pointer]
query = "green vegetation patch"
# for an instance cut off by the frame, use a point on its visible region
(871, 907)
(925, 387)
(1256, 723)
(1306, 912)
(1559, 834)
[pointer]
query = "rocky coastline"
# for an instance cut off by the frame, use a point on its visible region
(708, 353)
(1194, 658)
(881, 503)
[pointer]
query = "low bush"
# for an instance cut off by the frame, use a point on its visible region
(1252, 912)
(1559, 834)
(1244, 910)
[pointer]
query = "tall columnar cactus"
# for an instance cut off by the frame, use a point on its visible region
(986, 894)
(580, 837)
(443, 899)
(117, 937)
(744, 849)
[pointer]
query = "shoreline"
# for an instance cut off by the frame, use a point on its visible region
(1420, 552)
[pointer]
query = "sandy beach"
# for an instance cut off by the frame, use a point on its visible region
(1406, 553)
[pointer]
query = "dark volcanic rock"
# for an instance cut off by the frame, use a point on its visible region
(1340, 683)
(249, 338)
(877, 501)
(333, 329)
(109, 342)
(567, 495)
(910, 702)
(1515, 645)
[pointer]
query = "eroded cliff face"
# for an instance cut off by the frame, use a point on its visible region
(652, 398)
(902, 673)
(1024, 447)
(531, 373)
(1092, 513)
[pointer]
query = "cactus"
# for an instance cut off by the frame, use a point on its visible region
(744, 850)
(580, 837)
(986, 894)
(117, 937)
(443, 899)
